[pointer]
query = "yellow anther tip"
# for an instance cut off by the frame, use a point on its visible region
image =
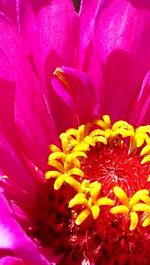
(146, 222)
(105, 201)
(134, 221)
(95, 190)
(138, 196)
(120, 193)
(141, 207)
(58, 182)
(146, 159)
(117, 189)
(119, 209)
(106, 119)
(148, 179)
(52, 174)
(47, 175)
(95, 211)
(145, 150)
(78, 199)
(54, 148)
(82, 216)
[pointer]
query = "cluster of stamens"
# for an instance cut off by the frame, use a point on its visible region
(66, 170)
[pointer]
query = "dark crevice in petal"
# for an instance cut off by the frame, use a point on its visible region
(77, 4)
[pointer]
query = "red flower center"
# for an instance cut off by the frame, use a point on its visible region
(97, 204)
(112, 166)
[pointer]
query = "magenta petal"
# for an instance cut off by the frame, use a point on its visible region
(7, 89)
(118, 32)
(88, 54)
(7, 93)
(12, 261)
(140, 114)
(124, 51)
(56, 47)
(14, 239)
(11, 164)
(119, 25)
(140, 4)
(76, 98)
(35, 124)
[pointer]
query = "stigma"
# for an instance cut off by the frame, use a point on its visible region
(106, 166)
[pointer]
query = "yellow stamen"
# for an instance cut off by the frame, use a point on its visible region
(105, 123)
(73, 183)
(145, 150)
(139, 140)
(119, 209)
(81, 133)
(71, 132)
(88, 198)
(141, 135)
(57, 155)
(70, 157)
(52, 174)
(107, 120)
(95, 211)
(105, 201)
(122, 124)
(146, 221)
(54, 148)
(82, 216)
(97, 132)
(119, 192)
(145, 159)
(123, 133)
(78, 200)
(83, 146)
(76, 171)
(148, 179)
(56, 164)
(134, 220)
(89, 140)
(141, 207)
(108, 133)
(95, 191)
(59, 182)
(138, 196)
(100, 139)
(65, 142)
(145, 199)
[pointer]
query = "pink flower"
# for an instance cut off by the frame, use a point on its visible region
(60, 69)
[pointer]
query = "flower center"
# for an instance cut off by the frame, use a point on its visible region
(102, 159)
(112, 165)
(99, 181)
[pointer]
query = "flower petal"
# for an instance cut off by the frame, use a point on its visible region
(35, 124)
(55, 47)
(11, 261)
(140, 113)
(13, 238)
(13, 166)
(89, 61)
(76, 96)
(119, 35)
(7, 93)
